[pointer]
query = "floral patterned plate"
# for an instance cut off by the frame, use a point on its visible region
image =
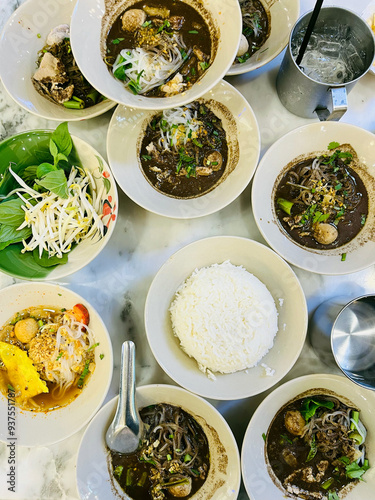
(30, 148)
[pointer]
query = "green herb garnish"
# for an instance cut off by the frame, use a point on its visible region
(310, 405)
(313, 450)
(93, 347)
(116, 41)
(83, 374)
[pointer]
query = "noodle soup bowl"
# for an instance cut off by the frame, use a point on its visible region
(299, 145)
(94, 472)
(42, 428)
(89, 29)
(259, 479)
(281, 16)
(23, 36)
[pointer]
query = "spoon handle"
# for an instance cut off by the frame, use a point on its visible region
(127, 413)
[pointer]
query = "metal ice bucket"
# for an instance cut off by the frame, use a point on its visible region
(309, 98)
(344, 332)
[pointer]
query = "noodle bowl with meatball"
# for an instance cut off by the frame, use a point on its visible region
(46, 356)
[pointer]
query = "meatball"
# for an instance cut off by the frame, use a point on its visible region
(181, 490)
(294, 422)
(133, 19)
(243, 47)
(324, 233)
(26, 329)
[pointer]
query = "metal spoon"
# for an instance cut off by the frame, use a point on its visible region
(126, 430)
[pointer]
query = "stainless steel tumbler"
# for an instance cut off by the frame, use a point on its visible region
(309, 98)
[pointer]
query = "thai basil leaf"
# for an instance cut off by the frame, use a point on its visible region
(29, 174)
(9, 235)
(55, 182)
(44, 169)
(62, 139)
(310, 406)
(11, 213)
(46, 261)
(53, 148)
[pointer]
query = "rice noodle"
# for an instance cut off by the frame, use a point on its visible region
(151, 67)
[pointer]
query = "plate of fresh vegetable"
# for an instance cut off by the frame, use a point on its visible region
(58, 204)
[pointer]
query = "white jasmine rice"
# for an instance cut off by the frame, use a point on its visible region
(224, 317)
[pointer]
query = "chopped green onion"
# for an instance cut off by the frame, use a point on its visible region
(193, 32)
(285, 205)
(101, 356)
(343, 257)
(73, 104)
(187, 458)
(116, 41)
(118, 471)
(327, 484)
(40, 323)
(83, 374)
(169, 457)
(197, 143)
(59, 356)
(93, 346)
(264, 437)
(129, 477)
(146, 157)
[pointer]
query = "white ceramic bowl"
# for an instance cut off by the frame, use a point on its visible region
(258, 483)
(281, 283)
(360, 252)
(93, 476)
(283, 15)
(85, 37)
(42, 429)
(23, 36)
(123, 147)
(25, 147)
(368, 16)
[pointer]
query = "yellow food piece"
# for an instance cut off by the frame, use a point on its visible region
(21, 372)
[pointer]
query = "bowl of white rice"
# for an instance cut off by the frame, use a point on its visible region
(226, 317)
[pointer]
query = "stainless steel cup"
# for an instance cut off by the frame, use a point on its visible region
(345, 332)
(309, 98)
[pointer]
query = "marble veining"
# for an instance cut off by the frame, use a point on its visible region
(117, 281)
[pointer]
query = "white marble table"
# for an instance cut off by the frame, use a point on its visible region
(116, 282)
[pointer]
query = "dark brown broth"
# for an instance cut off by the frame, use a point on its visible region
(350, 223)
(194, 31)
(280, 441)
(138, 467)
(212, 138)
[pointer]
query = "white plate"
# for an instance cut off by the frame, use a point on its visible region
(368, 15)
(123, 134)
(86, 28)
(283, 14)
(281, 282)
(310, 138)
(93, 477)
(23, 36)
(43, 429)
(258, 483)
